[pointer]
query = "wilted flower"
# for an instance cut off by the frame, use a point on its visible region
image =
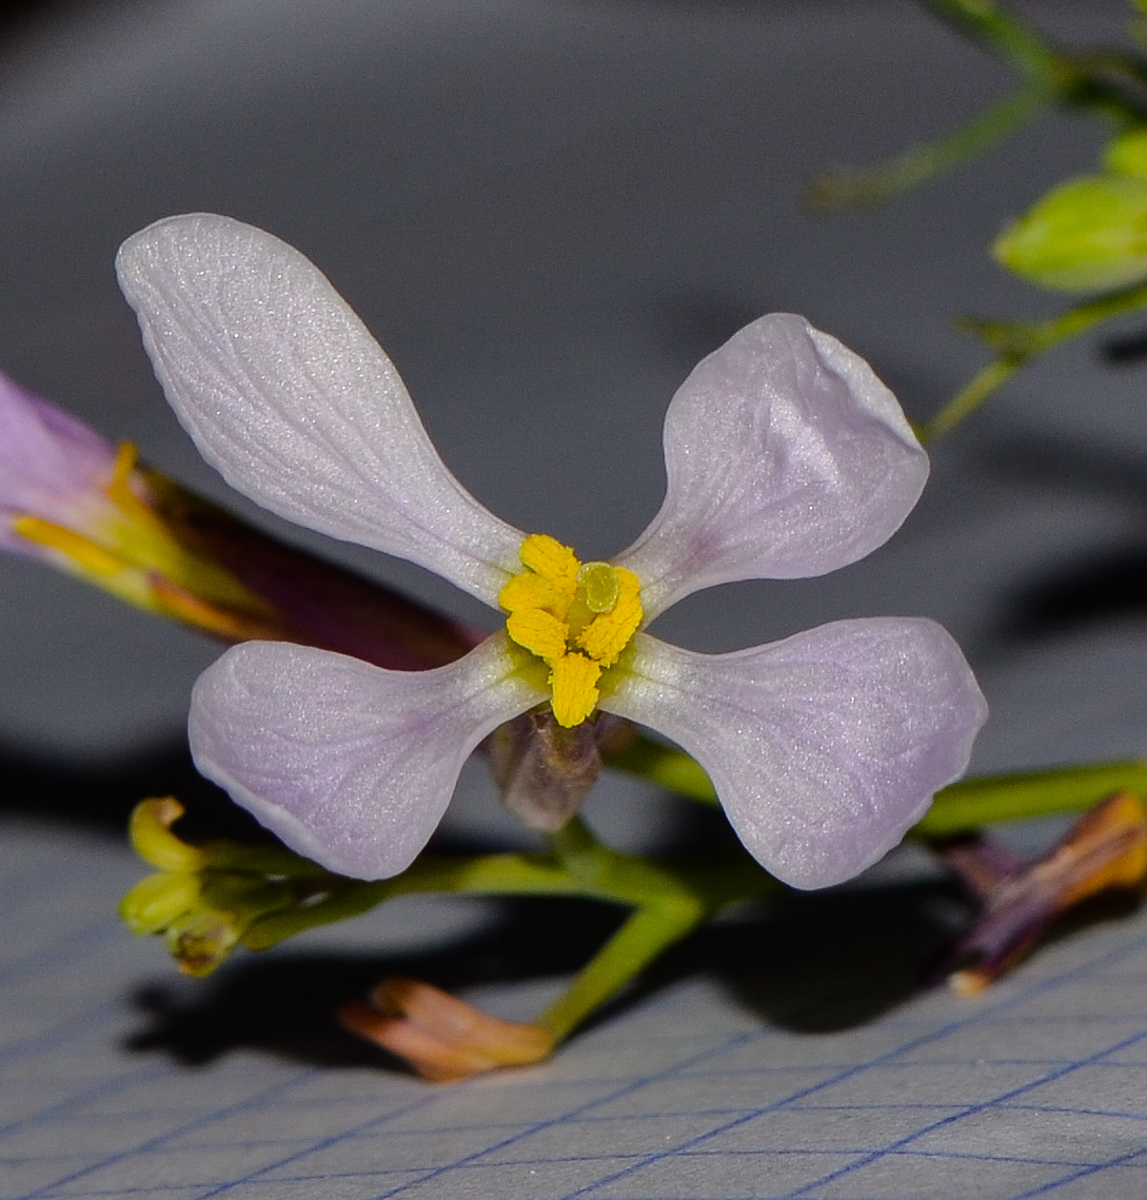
(786, 458)
(1106, 849)
(441, 1037)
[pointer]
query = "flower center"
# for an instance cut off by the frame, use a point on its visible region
(576, 617)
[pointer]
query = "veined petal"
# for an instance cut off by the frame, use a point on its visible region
(786, 457)
(289, 396)
(349, 764)
(824, 748)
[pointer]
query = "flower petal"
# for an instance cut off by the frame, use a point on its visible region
(287, 394)
(52, 466)
(786, 457)
(823, 748)
(349, 764)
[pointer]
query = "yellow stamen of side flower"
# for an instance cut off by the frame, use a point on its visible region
(577, 618)
(85, 553)
(121, 539)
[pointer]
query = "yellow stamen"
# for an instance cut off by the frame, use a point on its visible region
(574, 681)
(529, 591)
(539, 632)
(81, 550)
(578, 619)
(549, 558)
(152, 839)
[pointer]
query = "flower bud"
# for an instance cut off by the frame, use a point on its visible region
(151, 838)
(157, 901)
(1127, 154)
(1086, 235)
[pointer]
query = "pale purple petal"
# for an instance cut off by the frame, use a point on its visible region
(52, 466)
(349, 764)
(286, 392)
(824, 748)
(786, 457)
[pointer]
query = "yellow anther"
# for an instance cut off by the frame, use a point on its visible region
(125, 460)
(550, 559)
(529, 590)
(577, 619)
(597, 582)
(607, 635)
(574, 683)
(539, 632)
(81, 550)
(141, 519)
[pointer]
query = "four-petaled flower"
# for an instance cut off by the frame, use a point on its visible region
(786, 458)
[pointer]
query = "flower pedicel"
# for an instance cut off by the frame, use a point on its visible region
(786, 458)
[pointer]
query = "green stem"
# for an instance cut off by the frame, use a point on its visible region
(974, 803)
(1011, 39)
(648, 932)
(480, 875)
(970, 397)
(670, 898)
(1017, 342)
(958, 808)
(845, 187)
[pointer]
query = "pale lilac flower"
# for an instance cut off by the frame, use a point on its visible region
(52, 467)
(786, 458)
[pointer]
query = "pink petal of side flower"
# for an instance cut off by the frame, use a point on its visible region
(52, 466)
(824, 748)
(786, 457)
(288, 395)
(350, 765)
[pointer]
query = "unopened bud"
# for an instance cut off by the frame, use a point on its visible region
(155, 902)
(1087, 235)
(152, 839)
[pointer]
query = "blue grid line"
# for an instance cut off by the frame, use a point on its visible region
(62, 1107)
(585, 1112)
(797, 1151)
(63, 949)
(201, 1121)
(996, 1102)
(1075, 1111)
(974, 1018)
(159, 1139)
(509, 1141)
(931, 1036)
(1083, 1173)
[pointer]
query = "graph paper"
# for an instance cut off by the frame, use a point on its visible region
(546, 208)
(796, 1068)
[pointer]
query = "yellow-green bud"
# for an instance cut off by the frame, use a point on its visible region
(1085, 235)
(158, 900)
(1127, 154)
(200, 941)
(152, 839)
